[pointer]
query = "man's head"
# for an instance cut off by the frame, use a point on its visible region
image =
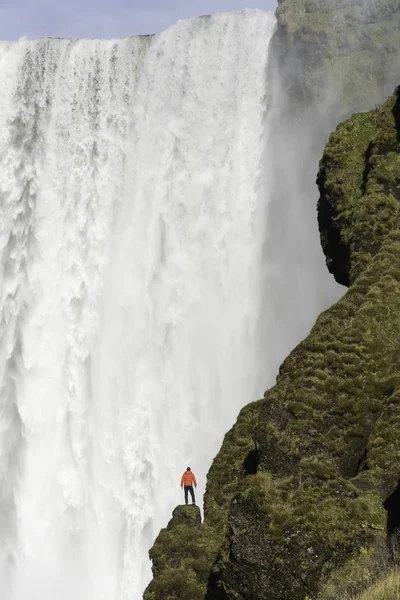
(188, 469)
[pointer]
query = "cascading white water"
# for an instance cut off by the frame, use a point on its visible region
(132, 223)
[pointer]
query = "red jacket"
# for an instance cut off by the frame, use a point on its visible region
(188, 478)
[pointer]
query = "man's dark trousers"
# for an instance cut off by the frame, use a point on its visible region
(189, 488)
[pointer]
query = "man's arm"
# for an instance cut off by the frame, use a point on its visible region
(194, 481)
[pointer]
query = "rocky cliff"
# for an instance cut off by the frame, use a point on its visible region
(295, 498)
(345, 52)
(327, 435)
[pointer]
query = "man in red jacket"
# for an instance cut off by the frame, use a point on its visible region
(187, 481)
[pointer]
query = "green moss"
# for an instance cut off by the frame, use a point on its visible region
(175, 584)
(182, 557)
(359, 181)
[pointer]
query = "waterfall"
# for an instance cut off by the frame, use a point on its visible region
(132, 225)
(155, 268)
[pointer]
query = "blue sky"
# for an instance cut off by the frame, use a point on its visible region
(105, 18)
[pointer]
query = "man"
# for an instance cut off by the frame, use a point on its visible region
(187, 481)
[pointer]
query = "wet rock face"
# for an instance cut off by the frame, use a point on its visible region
(250, 572)
(341, 52)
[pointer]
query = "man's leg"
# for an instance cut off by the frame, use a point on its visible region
(192, 494)
(186, 493)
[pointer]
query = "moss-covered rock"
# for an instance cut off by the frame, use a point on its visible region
(359, 182)
(185, 515)
(179, 565)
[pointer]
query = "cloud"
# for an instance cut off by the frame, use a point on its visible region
(106, 18)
